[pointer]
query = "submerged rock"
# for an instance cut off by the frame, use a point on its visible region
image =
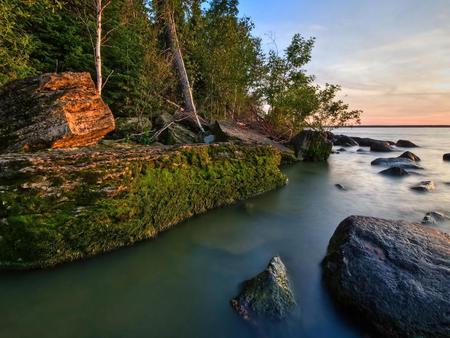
(424, 186)
(393, 273)
(405, 144)
(394, 171)
(52, 111)
(311, 145)
(446, 157)
(268, 295)
(434, 217)
(340, 187)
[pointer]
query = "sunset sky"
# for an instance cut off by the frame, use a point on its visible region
(392, 57)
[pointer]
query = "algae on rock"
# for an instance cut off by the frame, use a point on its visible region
(59, 206)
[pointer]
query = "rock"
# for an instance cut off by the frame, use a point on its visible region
(446, 157)
(340, 187)
(367, 142)
(342, 149)
(434, 217)
(174, 133)
(405, 144)
(266, 296)
(405, 161)
(343, 140)
(130, 126)
(62, 205)
(52, 111)
(312, 145)
(381, 147)
(395, 171)
(394, 274)
(360, 150)
(424, 186)
(411, 156)
(208, 139)
(232, 131)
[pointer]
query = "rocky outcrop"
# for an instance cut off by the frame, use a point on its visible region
(266, 296)
(446, 157)
(424, 186)
(394, 171)
(435, 217)
(405, 144)
(52, 111)
(394, 274)
(311, 145)
(58, 206)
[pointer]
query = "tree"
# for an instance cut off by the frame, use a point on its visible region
(189, 105)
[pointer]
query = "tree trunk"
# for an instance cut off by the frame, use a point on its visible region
(98, 46)
(189, 105)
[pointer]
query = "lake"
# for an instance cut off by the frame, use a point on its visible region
(180, 284)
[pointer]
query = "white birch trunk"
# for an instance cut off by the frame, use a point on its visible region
(98, 47)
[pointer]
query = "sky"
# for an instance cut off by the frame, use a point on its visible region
(391, 57)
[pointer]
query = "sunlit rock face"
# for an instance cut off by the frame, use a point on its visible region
(394, 274)
(52, 111)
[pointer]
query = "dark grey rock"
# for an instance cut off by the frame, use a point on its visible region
(405, 144)
(434, 217)
(394, 171)
(367, 142)
(446, 157)
(394, 274)
(424, 186)
(268, 295)
(411, 156)
(342, 149)
(382, 147)
(340, 187)
(343, 140)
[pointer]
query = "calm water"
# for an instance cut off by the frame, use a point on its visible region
(180, 284)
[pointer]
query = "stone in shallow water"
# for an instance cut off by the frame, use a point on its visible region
(434, 217)
(424, 186)
(446, 157)
(405, 144)
(410, 155)
(268, 295)
(394, 274)
(394, 171)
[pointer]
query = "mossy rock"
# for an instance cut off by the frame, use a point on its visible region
(268, 295)
(58, 206)
(312, 145)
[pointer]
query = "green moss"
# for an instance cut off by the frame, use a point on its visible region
(40, 229)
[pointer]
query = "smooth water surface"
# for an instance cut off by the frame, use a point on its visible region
(180, 284)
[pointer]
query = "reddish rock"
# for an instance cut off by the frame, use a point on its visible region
(52, 111)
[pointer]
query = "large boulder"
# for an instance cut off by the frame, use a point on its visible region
(367, 142)
(405, 144)
(266, 296)
(52, 111)
(446, 157)
(311, 145)
(171, 132)
(394, 274)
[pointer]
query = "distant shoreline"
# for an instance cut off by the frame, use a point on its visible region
(400, 126)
